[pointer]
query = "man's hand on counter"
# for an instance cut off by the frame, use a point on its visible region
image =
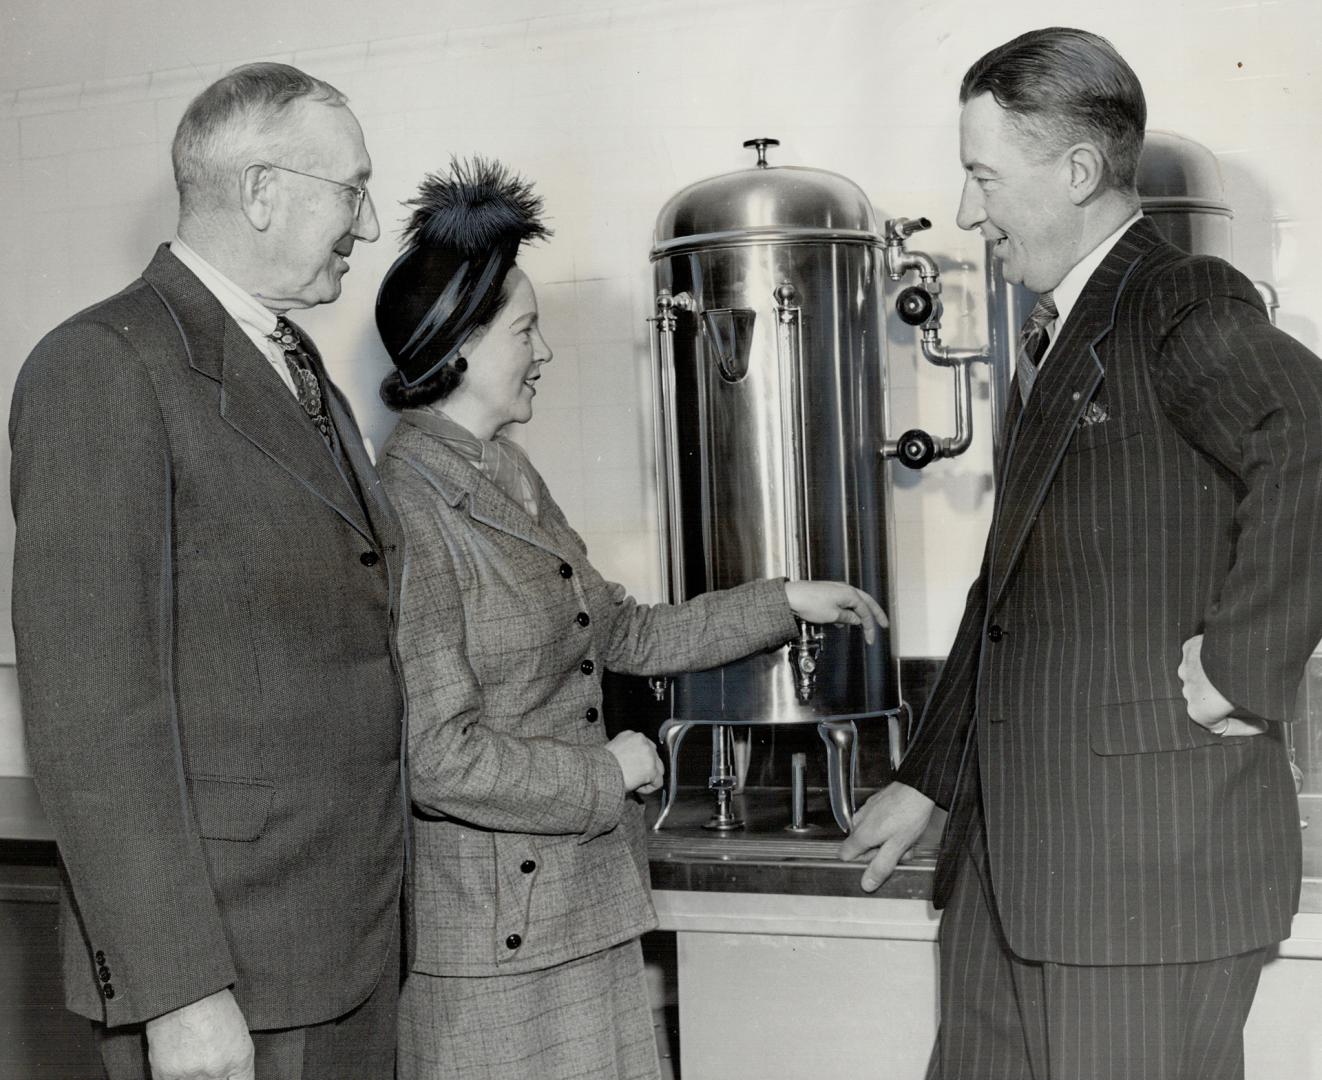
(833, 603)
(888, 825)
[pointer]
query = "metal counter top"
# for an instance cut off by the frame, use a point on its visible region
(21, 816)
(765, 857)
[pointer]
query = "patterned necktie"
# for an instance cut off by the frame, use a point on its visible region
(1033, 343)
(306, 386)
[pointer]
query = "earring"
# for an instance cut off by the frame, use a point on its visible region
(460, 364)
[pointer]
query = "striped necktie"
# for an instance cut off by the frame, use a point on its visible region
(1033, 343)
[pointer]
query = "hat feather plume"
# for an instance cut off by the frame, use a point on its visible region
(479, 206)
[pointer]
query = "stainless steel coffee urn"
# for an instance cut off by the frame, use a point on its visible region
(770, 388)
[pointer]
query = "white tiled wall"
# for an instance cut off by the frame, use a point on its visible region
(611, 107)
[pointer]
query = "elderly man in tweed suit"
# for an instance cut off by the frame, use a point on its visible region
(1123, 840)
(205, 581)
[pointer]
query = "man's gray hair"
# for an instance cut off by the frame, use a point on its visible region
(229, 124)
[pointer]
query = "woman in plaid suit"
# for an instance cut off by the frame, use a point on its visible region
(530, 878)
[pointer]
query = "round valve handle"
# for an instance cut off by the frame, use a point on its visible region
(914, 305)
(915, 448)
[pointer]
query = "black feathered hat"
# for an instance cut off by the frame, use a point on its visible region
(459, 245)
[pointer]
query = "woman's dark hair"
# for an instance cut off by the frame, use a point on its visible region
(438, 387)
(1062, 86)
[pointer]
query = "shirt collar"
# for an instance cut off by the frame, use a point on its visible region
(241, 306)
(1067, 293)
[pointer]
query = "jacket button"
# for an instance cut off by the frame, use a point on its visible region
(592, 714)
(566, 571)
(104, 973)
(100, 957)
(107, 991)
(513, 941)
(369, 558)
(582, 618)
(527, 866)
(587, 667)
(994, 632)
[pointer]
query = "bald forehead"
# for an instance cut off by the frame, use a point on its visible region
(318, 135)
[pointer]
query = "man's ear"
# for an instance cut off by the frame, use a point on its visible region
(256, 194)
(1086, 170)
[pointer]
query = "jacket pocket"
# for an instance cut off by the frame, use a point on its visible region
(1146, 727)
(229, 808)
(1097, 436)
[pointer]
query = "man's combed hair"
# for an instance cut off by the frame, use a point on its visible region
(1064, 86)
(225, 127)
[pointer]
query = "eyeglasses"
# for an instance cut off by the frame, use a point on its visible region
(359, 190)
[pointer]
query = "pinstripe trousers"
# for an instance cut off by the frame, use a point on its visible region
(1005, 1018)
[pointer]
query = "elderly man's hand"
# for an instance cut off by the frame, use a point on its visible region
(887, 826)
(829, 603)
(1208, 707)
(207, 1040)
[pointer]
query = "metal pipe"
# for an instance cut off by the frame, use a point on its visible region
(923, 307)
(722, 780)
(804, 650)
(788, 353)
(798, 793)
(662, 347)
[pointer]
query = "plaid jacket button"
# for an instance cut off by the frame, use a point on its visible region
(592, 714)
(566, 571)
(527, 866)
(587, 667)
(513, 941)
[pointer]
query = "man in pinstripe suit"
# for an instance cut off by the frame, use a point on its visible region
(1123, 839)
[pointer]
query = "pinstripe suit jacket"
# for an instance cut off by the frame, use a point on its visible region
(1118, 831)
(204, 654)
(528, 852)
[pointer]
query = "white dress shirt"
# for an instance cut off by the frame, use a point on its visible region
(1067, 293)
(254, 320)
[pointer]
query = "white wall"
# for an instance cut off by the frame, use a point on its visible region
(611, 108)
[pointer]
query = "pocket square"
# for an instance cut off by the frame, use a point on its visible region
(1095, 413)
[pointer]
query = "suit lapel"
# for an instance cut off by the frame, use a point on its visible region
(379, 511)
(1069, 378)
(253, 400)
(457, 480)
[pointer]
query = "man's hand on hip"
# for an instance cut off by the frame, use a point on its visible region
(207, 1040)
(1208, 707)
(887, 826)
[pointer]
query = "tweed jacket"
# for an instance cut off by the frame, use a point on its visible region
(203, 609)
(1164, 480)
(528, 852)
